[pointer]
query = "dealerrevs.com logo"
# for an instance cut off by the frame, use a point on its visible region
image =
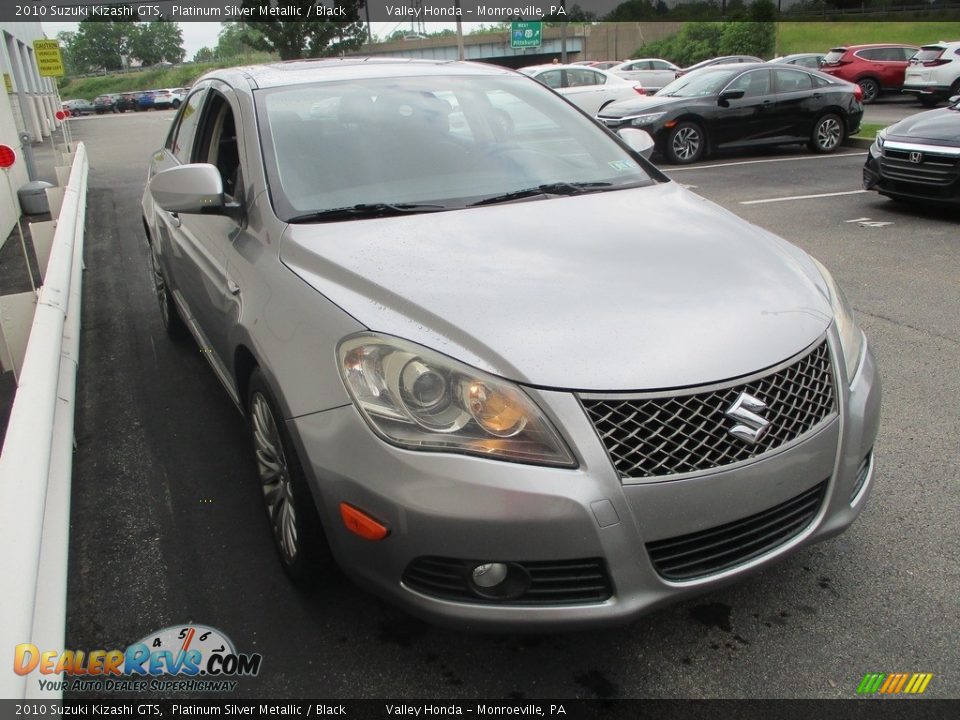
(184, 658)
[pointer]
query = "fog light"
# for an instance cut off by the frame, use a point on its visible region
(489, 575)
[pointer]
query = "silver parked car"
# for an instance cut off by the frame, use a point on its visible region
(652, 73)
(472, 378)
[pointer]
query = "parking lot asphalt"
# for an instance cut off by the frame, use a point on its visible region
(167, 525)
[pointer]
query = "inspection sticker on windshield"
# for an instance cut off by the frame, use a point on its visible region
(622, 165)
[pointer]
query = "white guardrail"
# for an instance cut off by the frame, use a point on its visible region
(37, 458)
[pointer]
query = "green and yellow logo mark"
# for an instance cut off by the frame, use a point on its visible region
(894, 683)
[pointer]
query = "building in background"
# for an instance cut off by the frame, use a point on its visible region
(28, 104)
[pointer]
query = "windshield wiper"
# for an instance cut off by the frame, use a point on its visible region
(367, 210)
(561, 188)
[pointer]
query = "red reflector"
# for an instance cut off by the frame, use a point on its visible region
(640, 89)
(857, 93)
(362, 524)
(670, 123)
(7, 157)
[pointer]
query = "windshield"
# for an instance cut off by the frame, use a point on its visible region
(439, 141)
(704, 82)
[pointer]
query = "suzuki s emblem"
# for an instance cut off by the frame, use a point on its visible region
(750, 425)
(916, 158)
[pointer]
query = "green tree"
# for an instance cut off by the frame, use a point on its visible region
(156, 42)
(101, 44)
(292, 40)
(65, 38)
(204, 54)
(237, 38)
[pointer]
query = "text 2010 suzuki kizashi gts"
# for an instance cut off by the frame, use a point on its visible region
(474, 377)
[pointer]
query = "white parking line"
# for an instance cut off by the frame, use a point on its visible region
(757, 162)
(801, 197)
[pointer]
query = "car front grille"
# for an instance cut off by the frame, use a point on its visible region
(550, 582)
(934, 169)
(699, 554)
(653, 436)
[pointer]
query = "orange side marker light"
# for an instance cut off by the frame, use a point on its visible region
(359, 523)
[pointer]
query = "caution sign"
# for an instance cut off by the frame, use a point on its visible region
(49, 60)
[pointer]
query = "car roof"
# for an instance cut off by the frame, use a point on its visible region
(297, 72)
(872, 45)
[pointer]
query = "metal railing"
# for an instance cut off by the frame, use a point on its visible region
(37, 457)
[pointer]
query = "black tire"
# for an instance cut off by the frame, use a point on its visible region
(301, 546)
(686, 143)
(929, 101)
(828, 134)
(173, 324)
(870, 89)
(175, 104)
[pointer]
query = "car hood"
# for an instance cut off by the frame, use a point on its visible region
(941, 125)
(645, 288)
(647, 104)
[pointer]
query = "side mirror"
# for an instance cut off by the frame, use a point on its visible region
(638, 140)
(727, 95)
(194, 188)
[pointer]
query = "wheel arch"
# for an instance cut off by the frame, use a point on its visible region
(840, 113)
(698, 119)
(244, 363)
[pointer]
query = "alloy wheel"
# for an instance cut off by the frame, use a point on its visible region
(870, 91)
(686, 143)
(274, 477)
(829, 133)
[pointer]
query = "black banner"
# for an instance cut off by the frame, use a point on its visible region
(899, 709)
(486, 11)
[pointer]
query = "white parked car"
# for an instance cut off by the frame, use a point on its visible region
(652, 73)
(934, 73)
(587, 88)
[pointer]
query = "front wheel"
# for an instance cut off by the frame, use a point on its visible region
(929, 101)
(297, 531)
(686, 143)
(827, 134)
(870, 89)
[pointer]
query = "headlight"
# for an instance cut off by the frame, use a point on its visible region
(876, 149)
(422, 400)
(851, 337)
(641, 120)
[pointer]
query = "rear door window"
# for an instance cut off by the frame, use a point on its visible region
(788, 81)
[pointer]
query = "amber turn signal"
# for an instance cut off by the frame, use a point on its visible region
(359, 523)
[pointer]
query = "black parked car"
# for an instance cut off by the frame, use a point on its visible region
(918, 158)
(126, 101)
(738, 106)
(105, 104)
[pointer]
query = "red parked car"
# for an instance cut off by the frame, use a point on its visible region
(875, 68)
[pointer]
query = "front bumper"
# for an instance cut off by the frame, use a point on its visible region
(469, 508)
(924, 182)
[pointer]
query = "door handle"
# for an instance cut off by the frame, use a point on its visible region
(233, 287)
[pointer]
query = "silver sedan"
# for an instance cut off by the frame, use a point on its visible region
(496, 365)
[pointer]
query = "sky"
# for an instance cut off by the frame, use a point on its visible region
(204, 34)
